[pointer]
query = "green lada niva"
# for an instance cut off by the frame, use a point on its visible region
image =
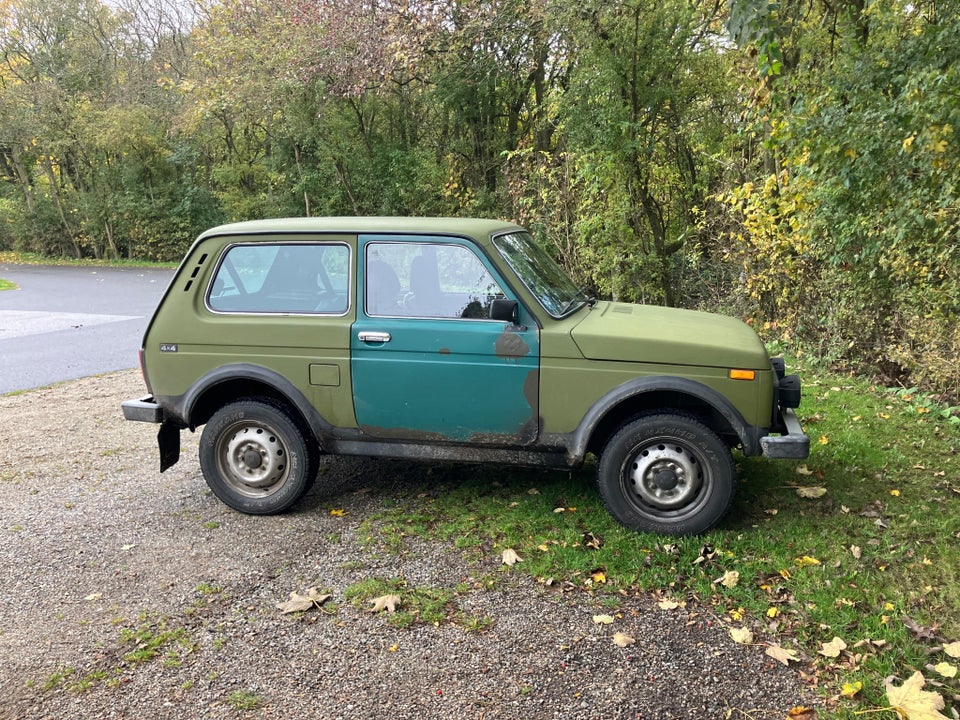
(453, 340)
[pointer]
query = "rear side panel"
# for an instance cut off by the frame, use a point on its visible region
(199, 328)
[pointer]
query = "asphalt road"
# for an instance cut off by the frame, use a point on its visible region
(63, 323)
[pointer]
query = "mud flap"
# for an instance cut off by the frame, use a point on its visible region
(169, 441)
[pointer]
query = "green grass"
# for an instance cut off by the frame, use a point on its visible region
(244, 701)
(27, 258)
(876, 554)
(7, 285)
(152, 639)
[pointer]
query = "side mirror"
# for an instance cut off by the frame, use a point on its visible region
(505, 309)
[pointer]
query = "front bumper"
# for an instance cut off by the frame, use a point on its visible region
(143, 410)
(794, 444)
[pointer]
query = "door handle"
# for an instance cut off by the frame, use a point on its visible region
(373, 337)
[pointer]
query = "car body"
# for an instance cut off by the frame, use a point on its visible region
(449, 339)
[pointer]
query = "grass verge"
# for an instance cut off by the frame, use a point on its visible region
(861, 542)
(27, 258)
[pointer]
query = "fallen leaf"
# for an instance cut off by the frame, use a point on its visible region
(912, 703)
(668, 604)
(598, 576)
(806, 561)
(592, 541)
(729, 579)
(921, 632)
(833, 648)
(385, 602)
(603, 619)
(622, 639)
(952, 649)
(128, 546)
(811, 492)
(781, 654)
(804, 470)
(339, 512)
(856, 551)
(946, 669)
(850, 690)
(824, 440)
(707, 553)
(302, 603)
(93, 596)
(741, 636)
(773, 612)
(801, 712)
(510, 557)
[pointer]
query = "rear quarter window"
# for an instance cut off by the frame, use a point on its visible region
(284, 278)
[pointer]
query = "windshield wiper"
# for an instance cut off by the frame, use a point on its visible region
(580, 296)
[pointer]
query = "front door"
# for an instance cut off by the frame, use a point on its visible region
(428, 364)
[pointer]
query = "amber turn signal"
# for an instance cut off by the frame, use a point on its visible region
(743, 374)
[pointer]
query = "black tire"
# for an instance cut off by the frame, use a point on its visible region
(256, 458)
(667, 474)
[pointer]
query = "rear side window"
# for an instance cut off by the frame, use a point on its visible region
(285, 278)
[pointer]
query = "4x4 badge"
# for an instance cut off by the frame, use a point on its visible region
(168, 347)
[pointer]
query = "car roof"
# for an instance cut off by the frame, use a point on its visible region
(479, 229)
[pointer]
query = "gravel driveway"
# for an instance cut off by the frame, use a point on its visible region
(130, 594)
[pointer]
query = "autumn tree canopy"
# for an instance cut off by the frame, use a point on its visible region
(794, 163)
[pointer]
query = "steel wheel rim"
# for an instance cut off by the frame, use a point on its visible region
(666, 477)
(253, 459)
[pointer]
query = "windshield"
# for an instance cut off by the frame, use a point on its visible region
(540, 273)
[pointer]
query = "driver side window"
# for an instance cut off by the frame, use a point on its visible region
(426, 280)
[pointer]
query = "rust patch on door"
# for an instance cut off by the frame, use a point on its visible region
(510, 345)
(444, 351)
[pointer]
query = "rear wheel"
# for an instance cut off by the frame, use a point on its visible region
(667, 474)
(255, 457)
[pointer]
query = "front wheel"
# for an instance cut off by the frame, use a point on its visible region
(666, 474)
(255, 458)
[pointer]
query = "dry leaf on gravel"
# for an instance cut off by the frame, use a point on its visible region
(668, 604)
(302, 603)
(911, 702)
(781, 654)
(385, 602)
(741, 636)
(622, 639)
(801, 712)
(603, 619)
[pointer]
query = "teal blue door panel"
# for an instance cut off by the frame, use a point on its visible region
(459, 379)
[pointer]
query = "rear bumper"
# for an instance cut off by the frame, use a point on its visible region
(793, 444)
(142, 410)
(168, 437)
